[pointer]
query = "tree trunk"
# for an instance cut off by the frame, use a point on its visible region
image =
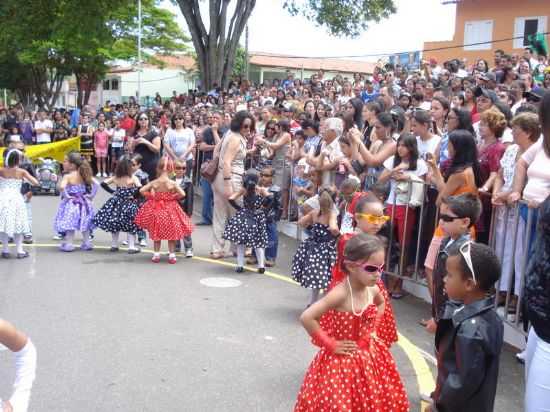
(216, 49)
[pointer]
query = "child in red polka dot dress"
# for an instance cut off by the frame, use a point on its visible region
(354, 370)
(161, 214)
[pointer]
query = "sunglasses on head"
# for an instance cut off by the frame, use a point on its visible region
(465, 252)
(448, 218)
(373, 219)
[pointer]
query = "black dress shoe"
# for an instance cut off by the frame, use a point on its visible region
(239, 269)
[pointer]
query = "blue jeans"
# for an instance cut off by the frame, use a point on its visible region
(272, 241)
(207, 201)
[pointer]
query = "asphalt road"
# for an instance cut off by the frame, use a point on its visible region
(116, 332)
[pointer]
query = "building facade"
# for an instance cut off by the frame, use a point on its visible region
(492, 24)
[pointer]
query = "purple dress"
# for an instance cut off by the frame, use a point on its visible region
(75, 212)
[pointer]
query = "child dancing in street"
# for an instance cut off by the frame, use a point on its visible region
(75, 212)
(313, 261)
(248, 228)
(118, 213)
(14, 221)
(161, 215)
(354, 370)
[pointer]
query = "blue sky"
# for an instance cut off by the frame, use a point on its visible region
(273, 30)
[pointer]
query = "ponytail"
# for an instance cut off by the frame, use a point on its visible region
(326, 201)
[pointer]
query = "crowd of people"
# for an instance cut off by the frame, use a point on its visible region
(399, 173)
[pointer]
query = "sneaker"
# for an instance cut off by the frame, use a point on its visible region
(105, 175)
(98, 175)
(261, 271)
(426, 398)
(23, 255)
(66, 248)
(125, 242)
(143, 243)
(58, 236)
(189, 253)
(27, 240)
(520, 357)
(114, 249)
(134, 251)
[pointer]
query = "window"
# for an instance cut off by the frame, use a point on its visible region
(106, 85)
(114, 84)
(480, 31)
(525, 26)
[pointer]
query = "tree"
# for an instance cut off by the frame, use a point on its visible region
(57, 38)
(239, 67)
(216, 48)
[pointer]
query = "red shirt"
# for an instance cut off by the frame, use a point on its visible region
(128, 124)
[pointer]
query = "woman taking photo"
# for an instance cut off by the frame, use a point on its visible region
(384, 147)
(281, 164)
(265, 156)
(147, 143)
(232, 154)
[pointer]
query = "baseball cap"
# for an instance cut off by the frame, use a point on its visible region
(535, 94)
(482, 91)
(488, 77)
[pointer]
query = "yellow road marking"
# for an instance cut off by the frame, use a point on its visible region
(424, 377)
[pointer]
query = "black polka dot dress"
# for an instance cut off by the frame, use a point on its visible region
(248, 226)
(118, 213)
(313, 261)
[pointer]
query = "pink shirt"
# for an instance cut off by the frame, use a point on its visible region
(538, 173)
(101, 140)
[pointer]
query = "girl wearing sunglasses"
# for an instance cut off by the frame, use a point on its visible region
(344, 324)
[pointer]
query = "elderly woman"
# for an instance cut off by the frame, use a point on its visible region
(526, 131)
(329, 159)
(232, 154)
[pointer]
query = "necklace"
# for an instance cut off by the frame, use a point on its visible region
(353, 305)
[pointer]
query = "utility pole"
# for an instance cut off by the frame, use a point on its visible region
(139, 55)
(246, 70)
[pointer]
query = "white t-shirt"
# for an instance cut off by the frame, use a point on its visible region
(180, 140)
(538, 173)
(427, 146)
(118, 137)
(421, 170)
(43, 137)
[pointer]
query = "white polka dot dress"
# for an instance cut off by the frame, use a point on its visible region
(366, 381)
(13, 212)
(312, 264)
(248, 226)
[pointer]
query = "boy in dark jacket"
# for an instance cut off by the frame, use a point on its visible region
(273, 210)
(186, 204)
(469, 334)
(457, 216)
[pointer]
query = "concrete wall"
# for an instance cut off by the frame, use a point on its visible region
(502, 12)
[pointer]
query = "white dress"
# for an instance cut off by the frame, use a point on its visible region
(13, 213)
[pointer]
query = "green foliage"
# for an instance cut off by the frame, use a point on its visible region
(342, 17)
(50, 39)
(239, 67)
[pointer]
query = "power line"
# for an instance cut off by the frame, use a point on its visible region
(412, 51)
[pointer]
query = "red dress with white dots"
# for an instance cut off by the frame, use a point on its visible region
(387, 327)
(366, 381)
(162, 217)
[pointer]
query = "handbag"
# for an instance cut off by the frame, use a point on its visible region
(410, 192)
(209, 169)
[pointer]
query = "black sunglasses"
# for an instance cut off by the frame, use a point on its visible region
(448, 218)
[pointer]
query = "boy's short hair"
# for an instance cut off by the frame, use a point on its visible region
(351, 183)
(464, 205)
(485, 262)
